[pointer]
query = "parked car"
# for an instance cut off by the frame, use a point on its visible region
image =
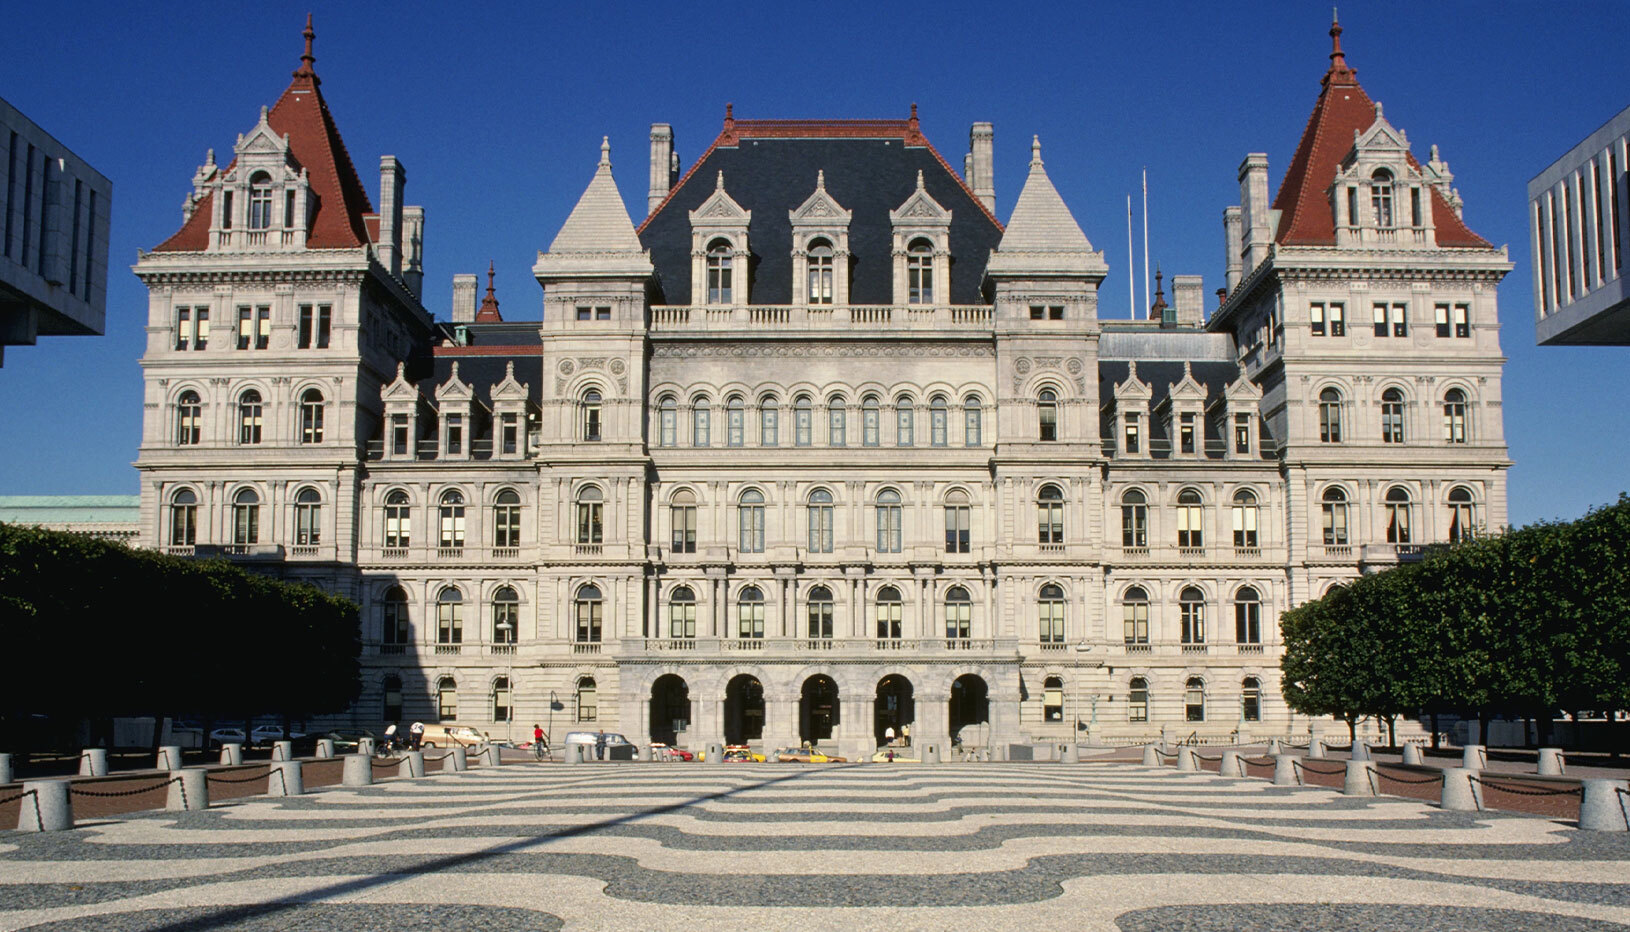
(807, 756)
(222, 736)
(738, 754)
(446, 736)
(662, 751)
(617, 746)
(346, 741)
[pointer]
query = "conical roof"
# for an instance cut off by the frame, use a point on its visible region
(597, 238)
(1042, 235)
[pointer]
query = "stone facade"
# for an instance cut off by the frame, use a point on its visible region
(822, 450)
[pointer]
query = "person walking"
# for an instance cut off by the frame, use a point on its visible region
(390, 736)
(905, 735)
(416, 732)
(888, 735)
(540, 742)
(600, 745)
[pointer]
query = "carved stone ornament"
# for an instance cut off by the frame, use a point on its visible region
(566, 367)
(617, 367)
(592, 362)
(1074, 366)
(1021, 365)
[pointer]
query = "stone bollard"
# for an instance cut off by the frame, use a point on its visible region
(412, 765)
(1275, 748)
(359, 770)
(1186, 761)
(50, 809)
(1315, 749)
(366, 746)
(715, 754)
(1551, 763)
(931, 754)
(1359, 779)
(1413, 756)
(1474, 757)
(1361, 751)
(93, 762)
(1602, 809)
(285, 779)
(282, 750)
(1232, 765)
(460, 759)
(188, 790)
(325, 748)
(1151, 757)
(1284, 770)
(490, 756)
(5, 769)
(1460, 794)
(1070, 754)
(169, 757)
(232, 754)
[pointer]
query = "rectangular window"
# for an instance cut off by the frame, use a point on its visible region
(455, 434)
(510, 442)
(751, 527)
(803, 425)
(902, 425)
(11, 188)
(735, 426)
(1185, 433)
(957, 519)
(584, 313)
(700, 421)
(1338, 320)
(201, 322)
(1242, 433)
(307, 320)
(28, 205)
(288, 209)
(1613, 200)
(226, 211)
(1440, 313)
(1415, 206)
(1380, 320)
(889, 537)
(325, 316)
(73, 247)
(769, 419)
(667, 425)
(1352, 207)
(1134, 434)
(1315, 320)
(820, 528)
(835, 425)
(1037, 312)
(1055, 313)
(1462, 321)
(602, 313)
(937, 426)
(1400, 320)
(246, 327)
(869, 428)
(399, 434)
(684, 529)
(263, 327)
(183, 327)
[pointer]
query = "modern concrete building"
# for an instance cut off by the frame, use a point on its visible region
(54, 212)
(1579, 219)
(823, 449)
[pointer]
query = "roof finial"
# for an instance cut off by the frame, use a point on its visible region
(1338, 60)
(718, 185)
(306, 58)
(729, 115)
(913, 115)
(490, 270)
(1035, 151)
(820, 174)
(605, 151)
(488, 312)
(919, 179)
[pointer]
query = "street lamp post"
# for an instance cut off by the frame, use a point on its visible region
(506, 635)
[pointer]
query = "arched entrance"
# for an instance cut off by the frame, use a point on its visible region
(894, 709)
(970, 710)
(743, 710)
(670, 709)
(817, 709)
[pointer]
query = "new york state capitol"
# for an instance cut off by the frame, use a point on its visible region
(822, 448)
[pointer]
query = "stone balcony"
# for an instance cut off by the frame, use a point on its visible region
(805, 648)
(779, 319)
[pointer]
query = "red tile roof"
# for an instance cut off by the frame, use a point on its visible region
(1304, 196)
(314, 141)
(488, 312)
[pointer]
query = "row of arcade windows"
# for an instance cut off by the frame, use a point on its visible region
(250, 410)
(1335, 516)
(1389, 320)
(818, 278)
(1455, 417)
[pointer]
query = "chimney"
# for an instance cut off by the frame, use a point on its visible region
(392, 179)
(1189, 297)
(1231, 245)
(463, 299)
(662, 152)
(1253, 199)
(982, 162)
(413, 249)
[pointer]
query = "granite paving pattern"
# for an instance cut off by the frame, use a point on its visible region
(1096, 845)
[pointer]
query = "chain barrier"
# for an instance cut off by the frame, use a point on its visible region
(432, 760)
(250, 779)
(1326, 773)
(1259, 761)
(119, 794)
(1206, 758)
(1387, 776)
(1173, 754)
(387, 763)
(12, 799)
(1527, 790)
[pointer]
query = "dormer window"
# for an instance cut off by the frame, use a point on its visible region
(920, 272)
(1381, 198)
(719, 273)
(260, 201)
(818, 269)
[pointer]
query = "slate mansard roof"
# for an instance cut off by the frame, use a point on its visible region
(770, 167)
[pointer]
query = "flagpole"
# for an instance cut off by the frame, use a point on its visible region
(1131, 264)
(1146, 302)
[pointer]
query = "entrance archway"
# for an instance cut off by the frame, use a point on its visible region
(817, 709)
(895, 708)
(670, 709)
(743, 710)
(970, 709)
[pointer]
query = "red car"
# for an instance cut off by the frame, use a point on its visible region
(661, 751)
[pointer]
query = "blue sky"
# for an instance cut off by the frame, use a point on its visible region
(497, 113)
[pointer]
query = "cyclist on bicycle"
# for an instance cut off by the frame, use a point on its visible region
(540, 743)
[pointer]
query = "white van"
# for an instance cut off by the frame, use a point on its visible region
(617, 746)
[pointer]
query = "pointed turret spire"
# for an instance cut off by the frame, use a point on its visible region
(605, 151)
(1339, 73)
(306, 58)
(488, 313)
(1042, 232)
(1035, 152)
(597, 237)
(1158, 308)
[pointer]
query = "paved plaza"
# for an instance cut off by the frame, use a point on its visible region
(1097, 845)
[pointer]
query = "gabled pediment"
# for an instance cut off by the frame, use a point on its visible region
(262, 145)
(720, 209)
(920, 209)
(1187, 388)
(820, 209)
(454, 389)
(1133, 388)
(400, 389)
(1242, 390)
(509, 390)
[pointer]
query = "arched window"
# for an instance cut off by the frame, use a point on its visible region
(500, 699)
(452, 520)
(667, 422)
(818, 269)
(1050, 614)
(393, 616)
(889, 520)
(1462, 518)
(701, 418)
(1250, 699)
(720, 273)
(973, 418)
(735, 421)
(1137, 700)
(837, 416)
(446, 700)
(183, 518)
(1190, 519)
(590, 515)
(1194, 700)
(939, 421)
(905, 412)
(870, 420)
(888, 614)
(769, 421)
(1247, 616)
(308, 518)
(189, 420)
(1334, 506)
(1047, 413)
(398, 520)
(506, 616)
(1397, 504)
(1454, 416)
(246, 518)
(392, 689)
(1134, 519)
(920, 272)
(958, 614)
(750, 521)
(1135, 615)
(506, 519)
(1381, 198)
(682, 515)
(450, 616)
(803, 421)
(588, 700)
(1330, 416)
(1052, 699)
(260, 201)
(750, 614)
(1245, 519)
(682, 613)
(1050, 515)
(311, 416)
(958, 521)
(1392, 416)
(820, 613)
(249, 417)
(1191, 611)
(820, 521)
(588, 610)
(591, 415)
